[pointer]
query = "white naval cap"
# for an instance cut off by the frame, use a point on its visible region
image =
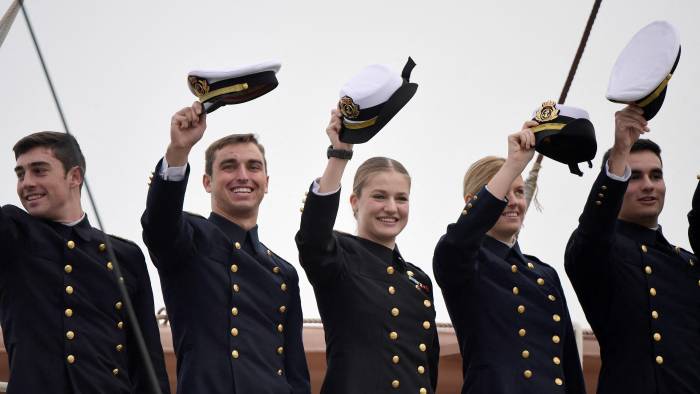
(645, 66)
(371, 98)
(215, 88)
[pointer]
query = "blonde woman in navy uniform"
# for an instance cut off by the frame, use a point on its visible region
(377, 309)
(508, 308)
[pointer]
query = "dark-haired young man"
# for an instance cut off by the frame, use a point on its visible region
(62, 315)
(640, 293)
(233, 305)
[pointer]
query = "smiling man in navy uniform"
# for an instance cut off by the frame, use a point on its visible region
(640, 293)
(234, 305)
(62, 315)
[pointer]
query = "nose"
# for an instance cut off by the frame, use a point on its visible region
(242, 175)
(511, 198)
(27, 180)
(647, 183)
(390, 205)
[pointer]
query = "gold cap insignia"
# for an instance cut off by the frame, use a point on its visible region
(547, 112)
(199, 86)
(348, 108)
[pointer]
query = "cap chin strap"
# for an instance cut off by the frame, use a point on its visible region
(573, 168)
(407, 68)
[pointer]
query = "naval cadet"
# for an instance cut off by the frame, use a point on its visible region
(377, 308)
(508, 308)
(233, 305)
(640, 293)
(63, 318)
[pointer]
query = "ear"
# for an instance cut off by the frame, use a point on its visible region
(267, 183)
(468, 197)
(206, 181)
(75, 177)
(354, 202)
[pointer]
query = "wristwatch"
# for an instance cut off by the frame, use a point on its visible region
(338, 153)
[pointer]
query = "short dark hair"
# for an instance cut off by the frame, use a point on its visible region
(232, 139)
(63, 146)
(640, 145)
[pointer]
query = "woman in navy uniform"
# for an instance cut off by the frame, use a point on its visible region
(377, 309)
(508, 308)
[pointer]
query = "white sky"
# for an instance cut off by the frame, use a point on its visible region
(120, 70)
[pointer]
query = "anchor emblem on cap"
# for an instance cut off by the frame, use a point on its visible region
(547, 112)
(199, 86)
(348, 108)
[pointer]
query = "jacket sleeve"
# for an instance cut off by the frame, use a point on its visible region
(454, 260)
(168, 236)
(694, 222)
(295, 361)
(589, 252)
(8, 239)
(142, 301)
(318, 247)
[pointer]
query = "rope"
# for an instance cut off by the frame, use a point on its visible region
(533, 175)
(136, 329)
(8, 19)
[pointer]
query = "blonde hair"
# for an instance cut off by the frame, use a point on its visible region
(480, 173)
(372, 166)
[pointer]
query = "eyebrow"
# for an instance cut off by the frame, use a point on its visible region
(34, 164)
(235, 161)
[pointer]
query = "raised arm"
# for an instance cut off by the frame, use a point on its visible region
(587, 258)
(315, 239)
(165, 232)
(455, 255)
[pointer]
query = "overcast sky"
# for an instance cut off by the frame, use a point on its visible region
(482, 67)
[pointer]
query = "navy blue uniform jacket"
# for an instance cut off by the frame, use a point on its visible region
(641, 296)
(235, 315)
(63, 319)
(508, 310)
(377, 309)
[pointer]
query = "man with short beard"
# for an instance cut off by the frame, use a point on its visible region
(640, 293)
(63, 318)
(233, 305)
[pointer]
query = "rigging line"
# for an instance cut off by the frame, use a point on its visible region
(136, 329)
(531, 181)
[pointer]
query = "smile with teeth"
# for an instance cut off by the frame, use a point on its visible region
(242, 189)
(33, 196)
(386, 219)
(511, 214)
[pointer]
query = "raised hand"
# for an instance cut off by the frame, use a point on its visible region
(629, 126)
(186, 129)
(521, 149)
(521, 145)
(333, 131)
